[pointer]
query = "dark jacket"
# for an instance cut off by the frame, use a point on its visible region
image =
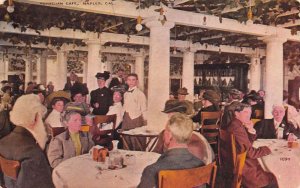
(265, 129)
(197, 117)
(253, 174)
(173, 159)
(102, 96)
(35, 171)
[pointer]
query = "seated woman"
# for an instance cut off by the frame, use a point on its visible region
(100, 136)
(70, 143)
(54, 118)
(239, 124)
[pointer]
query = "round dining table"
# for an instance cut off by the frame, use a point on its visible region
(283, 162)
(83, 171)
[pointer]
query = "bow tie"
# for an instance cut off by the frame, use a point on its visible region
(130, 91)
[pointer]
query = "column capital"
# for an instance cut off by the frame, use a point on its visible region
(188, 50)
(274, 38)
(92, 41)
(153, 22)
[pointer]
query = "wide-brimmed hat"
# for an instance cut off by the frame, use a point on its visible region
(211, 96)
(78, 88)
(174, 106)
(57, 94)
(5, 87)
(104, 75)
(182, 91)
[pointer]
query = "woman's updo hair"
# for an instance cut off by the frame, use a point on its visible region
(67, 115)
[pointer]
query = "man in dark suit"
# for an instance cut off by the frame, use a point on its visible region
(176, 136)
(72, 82)
(277, 127)
(26, 144)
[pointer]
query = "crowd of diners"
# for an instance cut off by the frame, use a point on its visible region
(28, 113)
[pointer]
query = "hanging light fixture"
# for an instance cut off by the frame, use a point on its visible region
(139, 26)
(250, 14)
(174, 50)
(10, 7)
(204, 20)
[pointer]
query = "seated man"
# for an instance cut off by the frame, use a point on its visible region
(197, 145)
(26, 143)
(70, 143)
(276, 127)
(176, 136)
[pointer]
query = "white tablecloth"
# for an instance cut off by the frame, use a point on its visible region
(283, 162)
(144, 130)
(82, 171)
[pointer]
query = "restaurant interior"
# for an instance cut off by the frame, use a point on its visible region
(199, 45)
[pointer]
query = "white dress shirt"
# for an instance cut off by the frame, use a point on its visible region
(135, 103)
(117, 109)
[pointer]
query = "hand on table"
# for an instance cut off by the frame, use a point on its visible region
(266, 150)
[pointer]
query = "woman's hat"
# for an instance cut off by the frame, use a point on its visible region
(104, 75)
(182, 91)
(174, 106)
(211, 96)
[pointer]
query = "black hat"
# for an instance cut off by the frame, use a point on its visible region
(212, 96)
(40, 88)
(174, 106)
(4, 81)
(104, 75)
(78, 88)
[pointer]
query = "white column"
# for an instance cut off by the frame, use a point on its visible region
(43, 68)
(61, 69)
(159, 71)
(274, 73)
(94, 63)
(2, 68)
(84, 64)
(28, 71)
(6, 62)
(188, 72)
(38, 69)
(255, 73)
(139, 68)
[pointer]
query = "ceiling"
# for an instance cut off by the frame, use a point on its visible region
(280, 13)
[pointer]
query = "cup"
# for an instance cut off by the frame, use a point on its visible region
(115, 144)
(102, 154)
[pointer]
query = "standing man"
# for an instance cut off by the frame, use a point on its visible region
(101, 98)
(135, 105)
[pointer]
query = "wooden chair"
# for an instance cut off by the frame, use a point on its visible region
(210, 131)
(103, 137)
(254, 120)
(188, 177)
(143, 142)
(259, 114)
(54, 131)
(238, 170)
(9, 168)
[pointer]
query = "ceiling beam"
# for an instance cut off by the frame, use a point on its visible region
(103, 37)
(129, 9)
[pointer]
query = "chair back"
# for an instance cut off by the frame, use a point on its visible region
(54, 131)
(188, 177)
(259, 114)
(100, 136)
(9, 168)
(210, 131)
(238, 170)
(226, 144)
